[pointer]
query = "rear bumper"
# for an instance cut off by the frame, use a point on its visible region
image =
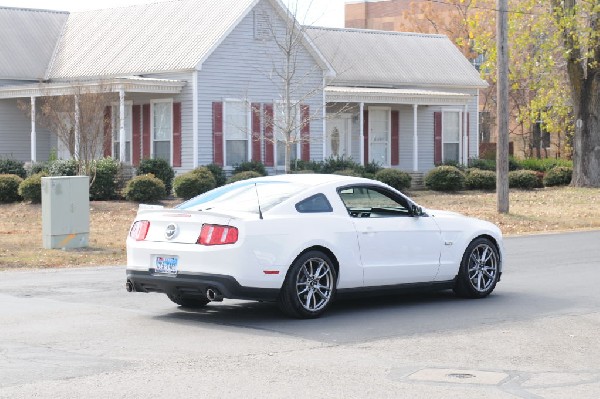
(196, 284)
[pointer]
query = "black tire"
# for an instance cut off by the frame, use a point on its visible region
(479, 269)
(309, 286)
(188, 302)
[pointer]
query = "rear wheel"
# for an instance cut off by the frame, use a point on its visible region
(479, 269)
(309, 286)
(188, 302)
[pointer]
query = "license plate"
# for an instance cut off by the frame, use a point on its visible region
(165, 264)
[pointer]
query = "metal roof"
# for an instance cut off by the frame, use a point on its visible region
(27, 41)
(149, 38)
(394, 59)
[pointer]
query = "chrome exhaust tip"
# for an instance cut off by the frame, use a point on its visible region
(213, 295)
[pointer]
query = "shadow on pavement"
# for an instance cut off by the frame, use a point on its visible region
(372, 318)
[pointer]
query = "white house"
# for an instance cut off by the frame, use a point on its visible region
(198, 82)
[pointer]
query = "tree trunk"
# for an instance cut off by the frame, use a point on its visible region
(288, 148)
(586, 156)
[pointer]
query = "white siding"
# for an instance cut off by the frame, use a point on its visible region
(186, 100)
(241, 68)
(15, 134)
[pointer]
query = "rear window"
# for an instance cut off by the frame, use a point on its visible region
(244, 196)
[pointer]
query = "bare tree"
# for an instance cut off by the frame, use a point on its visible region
(78, 121)
(296, 84)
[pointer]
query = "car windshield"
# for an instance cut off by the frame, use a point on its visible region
(244, 196)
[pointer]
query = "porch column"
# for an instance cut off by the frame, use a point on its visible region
(122, 138)
(465, 137)
(415, 140)
(361, 116)
(324, 115)
(77, 128)
(195, 119)
(33, 132)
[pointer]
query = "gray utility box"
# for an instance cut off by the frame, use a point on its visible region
(65, 211)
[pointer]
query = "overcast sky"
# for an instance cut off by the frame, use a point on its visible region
(314, 12)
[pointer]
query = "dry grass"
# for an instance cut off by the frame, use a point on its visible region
(536, 211)
(550, 209)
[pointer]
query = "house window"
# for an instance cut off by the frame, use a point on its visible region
(379, 135)
(162, 129)
(236, 122)
(451, 136)
(283, 125)
(116, 136)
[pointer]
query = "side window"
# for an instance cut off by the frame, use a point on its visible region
(373, 202)
(314, 204)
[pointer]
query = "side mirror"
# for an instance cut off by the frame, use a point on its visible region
(416, 210)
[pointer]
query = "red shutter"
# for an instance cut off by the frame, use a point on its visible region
(437, 138)
(366, 135)
(305, 132)
(395, 140)
(107, 131)
(217, 126)
(268, 120)
(136, 134)
(176, 134)
(146, 131)
(256, 139)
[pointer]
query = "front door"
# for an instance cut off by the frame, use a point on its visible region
(338, 137)
(395, 247)
(379, 135)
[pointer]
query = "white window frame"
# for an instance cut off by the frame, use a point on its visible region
(389, 135)
(152, 102)
(298, 142)
(116, 128)
(246, 104)
(460, 133)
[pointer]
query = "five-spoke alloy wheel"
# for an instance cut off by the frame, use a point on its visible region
(479, 269)
(309, 286)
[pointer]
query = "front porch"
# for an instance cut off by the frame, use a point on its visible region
(409, 129)
(117, 116)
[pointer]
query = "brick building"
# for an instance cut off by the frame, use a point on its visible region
(395, 15)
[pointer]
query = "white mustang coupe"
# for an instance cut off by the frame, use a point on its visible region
(302, 239)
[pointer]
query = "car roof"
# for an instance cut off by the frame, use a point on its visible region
(313, 179)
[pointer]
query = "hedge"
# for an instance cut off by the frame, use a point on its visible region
(445, 178)
(145, 188)
(558, 176)
(9, 188)
(394, 178)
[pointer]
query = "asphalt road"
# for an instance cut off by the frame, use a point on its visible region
(77, 333)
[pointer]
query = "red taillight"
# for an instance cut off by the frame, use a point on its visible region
(214, 234)
(139, 230)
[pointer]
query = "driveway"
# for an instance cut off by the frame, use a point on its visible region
(78, 333)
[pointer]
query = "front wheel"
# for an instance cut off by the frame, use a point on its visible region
(309, 286)
(479, 270)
